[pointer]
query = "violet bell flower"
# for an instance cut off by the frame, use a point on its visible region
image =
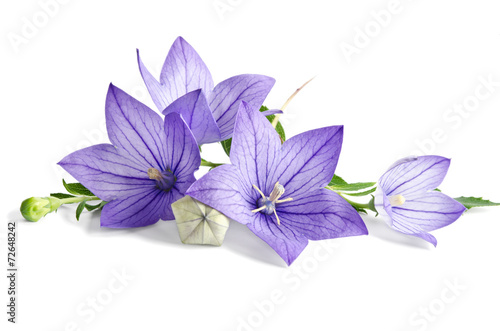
(150, 164)
(407, 200)
(278, 190)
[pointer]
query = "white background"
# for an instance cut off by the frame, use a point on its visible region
(391, 95)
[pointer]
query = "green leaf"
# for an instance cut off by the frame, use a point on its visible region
(79, 209)
(226, 144)
(337, 181)
(360, 194)
(471, 202)
(61, 195)
(352, 187)
(77, 189)
(94, 207)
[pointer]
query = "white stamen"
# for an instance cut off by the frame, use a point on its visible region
(396, 200)
(277, 192)
(275, 214)
(262, 194)
(258, 209)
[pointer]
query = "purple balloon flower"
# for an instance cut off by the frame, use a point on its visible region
(278, 190)
(407, 200)
(150, 164)
(210, 112)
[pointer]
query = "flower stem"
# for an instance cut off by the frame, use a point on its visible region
(370, 205)
(78, 199)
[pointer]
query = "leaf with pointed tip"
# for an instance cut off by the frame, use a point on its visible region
(79, 209)
(77, 189)
(61, 195)
(472, 202)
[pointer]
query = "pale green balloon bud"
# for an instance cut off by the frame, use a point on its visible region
(35, 208)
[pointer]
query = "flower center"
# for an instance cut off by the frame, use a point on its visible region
(267, 205)
(397, 200)
(165, 180)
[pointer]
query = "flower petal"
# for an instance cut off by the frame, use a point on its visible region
(427, 212)
(184, 71)
(222, 189)
(157, 91)
(309, 160)
(106, 171)
(182, 152)
(284, 239)
(195, 111)
(271, 112)
(321, 214)
(254, 149)
(135, 128)
(141, 208)
(416, 176)
(227, 95)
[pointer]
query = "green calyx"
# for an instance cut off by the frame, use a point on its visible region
(33, 209)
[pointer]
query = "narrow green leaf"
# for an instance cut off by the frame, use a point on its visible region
(77, 189)
(79, 209)
(94, 207)
(472, 202)
(61, 195)
(352, 187)
(360, 194)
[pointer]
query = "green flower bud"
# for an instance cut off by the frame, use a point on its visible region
(35, 208)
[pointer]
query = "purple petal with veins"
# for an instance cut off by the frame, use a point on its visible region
(157, 91)
(321, 214)
(284, 239)
(184, 71)
(197, 114)
(106, 171)
(142, 208)
(255, 148)
(135, 128)
(309, 160)
(227, 96)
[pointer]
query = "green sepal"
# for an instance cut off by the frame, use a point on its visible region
(80, 208)
(77, 189)
(226, 144)
(472, 202)
(61, 195)
(94, 207)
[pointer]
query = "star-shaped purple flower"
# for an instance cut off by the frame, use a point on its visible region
(186, 87)
(407, 200)
(278, 190)
(150, 164)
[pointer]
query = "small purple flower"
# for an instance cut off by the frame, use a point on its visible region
(150, 164)
(407, 200)
(278, 190)
(186, 87)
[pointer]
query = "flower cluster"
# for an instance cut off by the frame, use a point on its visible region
(285, 191)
